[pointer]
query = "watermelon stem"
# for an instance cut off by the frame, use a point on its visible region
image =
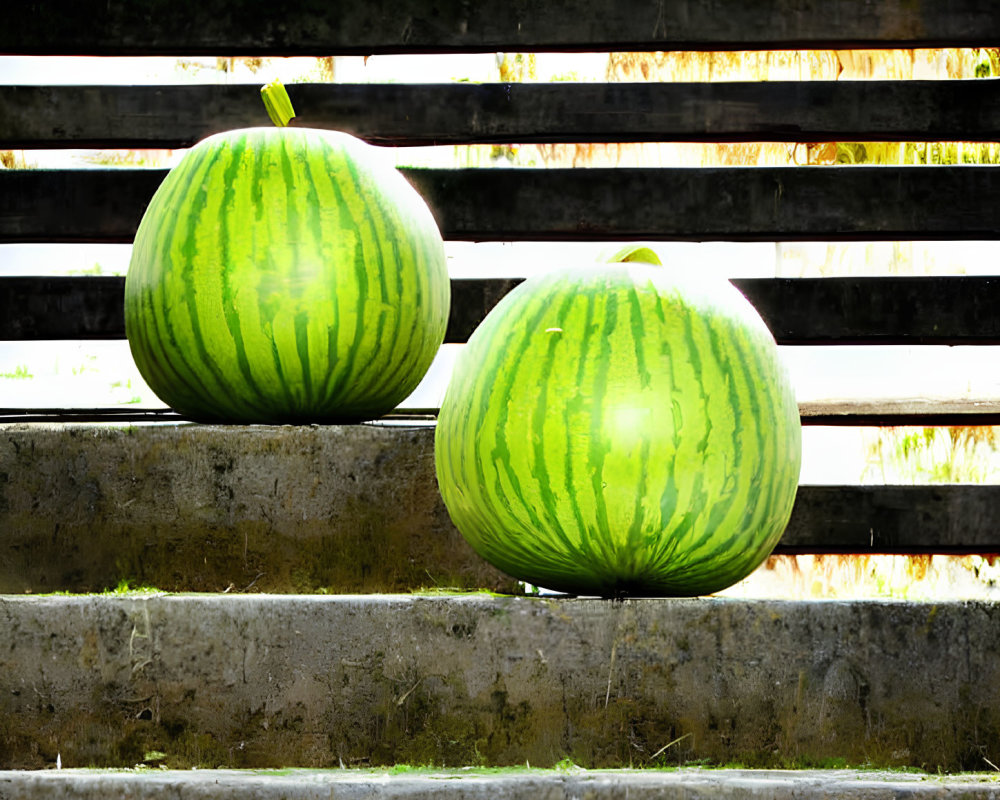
(635, 252)
(278, 103)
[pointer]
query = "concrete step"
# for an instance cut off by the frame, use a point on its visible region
(683, 784)
(210, 508)
(314, 681)
(333, 509)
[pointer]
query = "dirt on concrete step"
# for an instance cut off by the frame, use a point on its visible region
(312, 681)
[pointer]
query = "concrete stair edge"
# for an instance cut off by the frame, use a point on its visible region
(686, 783)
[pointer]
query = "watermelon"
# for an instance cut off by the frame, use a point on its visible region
(620, 430)
(285, 275)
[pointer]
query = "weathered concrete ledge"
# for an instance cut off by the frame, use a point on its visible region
(273, 681)
(683, 784)
(206, 508)
(331, 509)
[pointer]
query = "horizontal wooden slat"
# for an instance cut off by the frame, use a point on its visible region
(465, 113)
(948, 310)
(951, 519)
(830, 413)
(116, 414)
(929, 412)
(74, 206)
(714, 203)
(223, 27)
(33, 309)
(92, 307)
(813, 311)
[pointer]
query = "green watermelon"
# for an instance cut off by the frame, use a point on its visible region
(285, 275)
(620, 430)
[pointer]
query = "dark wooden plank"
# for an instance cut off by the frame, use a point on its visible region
(74, 205)
(837, 413)
(306, 27)
(122, 415)
(925, 412)
(463, 113)
(952, 519)
(33, 309)
(130, 414)
(799, 311)
(471, 300)
(948, 310)
(736, 204)
(40, 308)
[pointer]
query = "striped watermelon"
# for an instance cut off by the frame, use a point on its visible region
(285, 275)
(620, 429)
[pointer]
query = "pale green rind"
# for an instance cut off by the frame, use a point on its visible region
(285, 276)
(621, 429)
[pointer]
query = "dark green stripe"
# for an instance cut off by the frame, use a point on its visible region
(188, 177)
(343, 395)
(276, 232)
(333, 388)
(500, 454)
(700, 366)
(540, 470)
(637, 543)
(370, 253)
(391, 364)
(147, 334)
(431, 288)
(413, 330)
(317, 176)
(662, 542)
(633, 560)
(415, 257)
(490, 362)
(574, 408)
(147, 350)
(462, 412)
(766, 441)
(781, 419)
(718, 334)
(295, 184)
(740, 371)
(674, 528)
(674, 554)
(312, 236)
(746, 530)
(224, 220)
(638, 329)
(599, 446)
(189, 279)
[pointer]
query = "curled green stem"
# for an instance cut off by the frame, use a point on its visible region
(278, 103)
(635, 252)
